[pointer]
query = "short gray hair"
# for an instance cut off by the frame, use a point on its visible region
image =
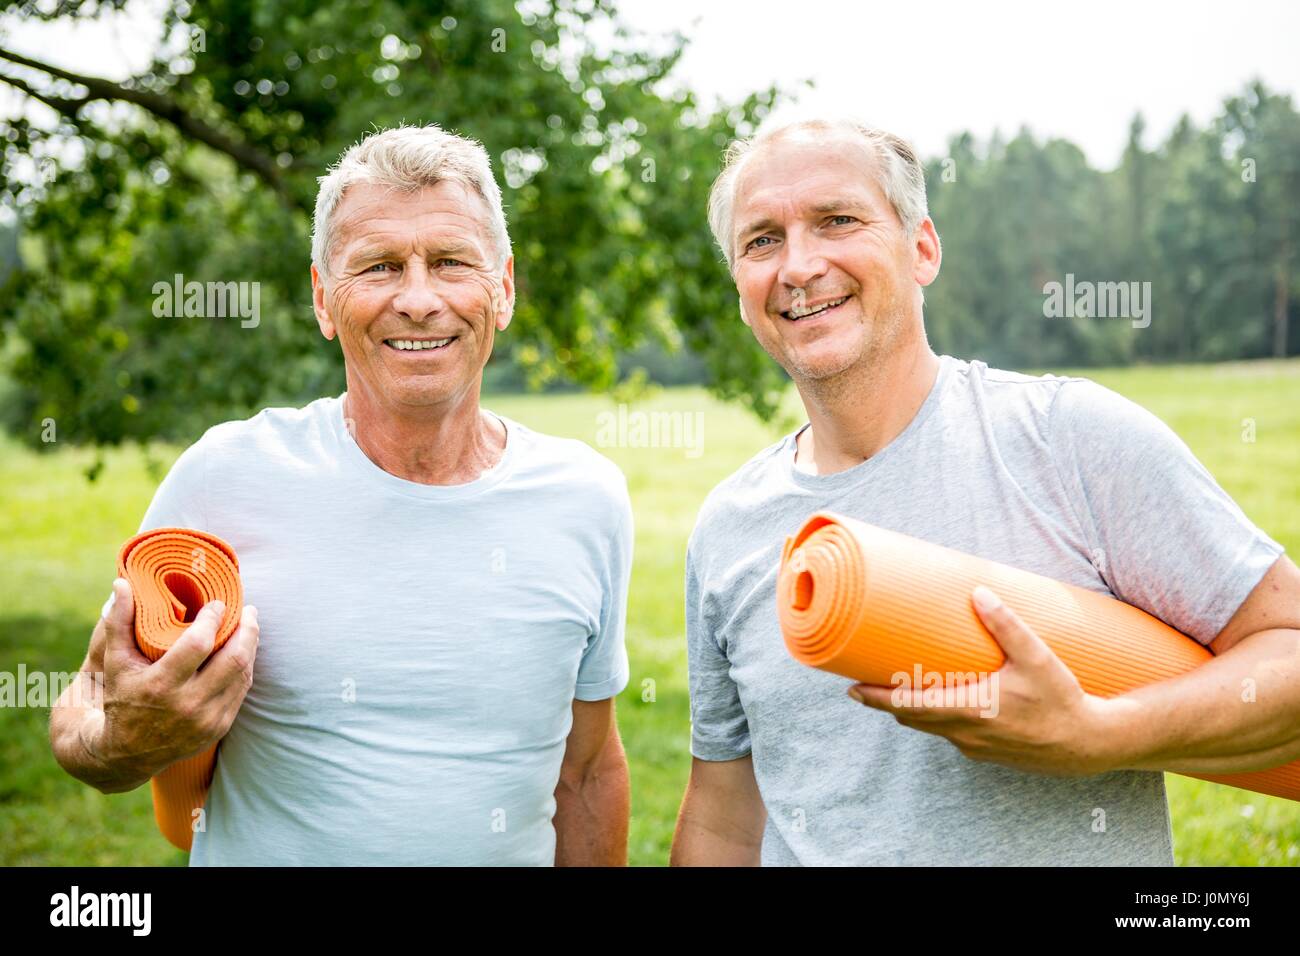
(408, 158)
(899, 173)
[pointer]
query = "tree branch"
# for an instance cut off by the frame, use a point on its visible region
(249, 157)
(66, 107)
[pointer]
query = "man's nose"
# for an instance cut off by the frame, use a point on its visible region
(802, 262)
(417, 295)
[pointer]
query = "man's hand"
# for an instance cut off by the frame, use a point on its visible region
(1040, 718)
(154, 713)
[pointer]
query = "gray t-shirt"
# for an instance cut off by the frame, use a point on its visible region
(1055, 475)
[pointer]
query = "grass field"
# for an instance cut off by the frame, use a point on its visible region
(59, 535)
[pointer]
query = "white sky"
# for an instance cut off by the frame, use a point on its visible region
(924, 70)
(930, 69)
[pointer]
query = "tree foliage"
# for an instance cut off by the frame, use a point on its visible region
(205, 165)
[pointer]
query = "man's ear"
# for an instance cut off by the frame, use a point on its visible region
(929, 253)
(318, 304)
(506, 306)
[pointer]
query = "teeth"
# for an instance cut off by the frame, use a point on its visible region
(801, 313)
(413, 345)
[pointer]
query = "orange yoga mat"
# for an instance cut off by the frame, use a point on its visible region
(867, 603)
(173, 573)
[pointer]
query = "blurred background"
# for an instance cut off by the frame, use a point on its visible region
(150, 144)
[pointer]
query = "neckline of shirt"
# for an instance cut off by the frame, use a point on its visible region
(849, 476)
(369, 471)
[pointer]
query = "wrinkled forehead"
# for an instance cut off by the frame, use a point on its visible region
(802, 172)
(448, 207)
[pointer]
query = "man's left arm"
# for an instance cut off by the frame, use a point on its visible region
(1172, 542)
(593, 796)
(1236, 713)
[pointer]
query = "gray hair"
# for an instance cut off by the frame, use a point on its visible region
(408, 158)
(899, 174)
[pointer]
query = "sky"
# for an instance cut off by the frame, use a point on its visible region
(925, 71)
(928, 70)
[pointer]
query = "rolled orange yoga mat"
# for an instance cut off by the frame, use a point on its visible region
(867, 603)
(173, 573)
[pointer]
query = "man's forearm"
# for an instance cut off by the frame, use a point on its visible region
(1238, 712)
(722, 818)
(75, 735)
(696, 843)
(591, 816)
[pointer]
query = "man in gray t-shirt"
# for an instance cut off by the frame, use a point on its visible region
(1058, 476)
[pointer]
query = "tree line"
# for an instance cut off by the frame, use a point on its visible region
(1205, 222)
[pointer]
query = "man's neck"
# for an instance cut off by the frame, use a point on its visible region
(864, 412)
(431, 445)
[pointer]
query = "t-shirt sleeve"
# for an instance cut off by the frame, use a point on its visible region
(719, 728)
(178, 502)
(603, 671)
(1164, 536)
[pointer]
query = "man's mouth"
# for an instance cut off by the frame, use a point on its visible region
(419, 345)
(810, 310)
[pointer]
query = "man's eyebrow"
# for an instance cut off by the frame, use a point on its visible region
(363, 253)
(833, 205)
(377, 251)
(820, 209)
(758, 225)
(455, 247)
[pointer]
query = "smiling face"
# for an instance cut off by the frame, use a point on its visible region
(414, 293)
(828, 278)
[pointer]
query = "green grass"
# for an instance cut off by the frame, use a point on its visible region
(59, 534)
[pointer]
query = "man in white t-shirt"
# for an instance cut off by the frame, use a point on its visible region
(443, 590)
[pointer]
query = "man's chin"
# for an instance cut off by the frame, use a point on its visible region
(823, 357)
(421, 391)
(821, 365)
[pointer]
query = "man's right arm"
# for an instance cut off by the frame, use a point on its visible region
(722, 817)
(126, 719)
(77, 723)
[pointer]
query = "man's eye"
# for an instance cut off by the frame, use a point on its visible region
(835, 220)
(759, 243)
(450, 262)
(377, 266)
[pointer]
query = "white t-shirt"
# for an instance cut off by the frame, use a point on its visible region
(421, 644)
